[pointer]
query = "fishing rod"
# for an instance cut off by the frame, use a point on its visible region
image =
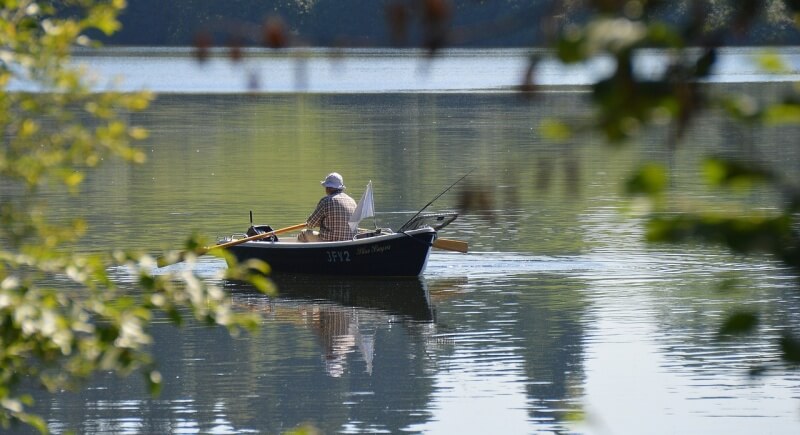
(403, 227)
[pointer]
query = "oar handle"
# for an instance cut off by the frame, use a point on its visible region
(256, 237)
(161, 261)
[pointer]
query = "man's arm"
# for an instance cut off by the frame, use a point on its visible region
(315, 220)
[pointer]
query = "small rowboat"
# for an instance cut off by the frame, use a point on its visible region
(390, 254)
(379, 252)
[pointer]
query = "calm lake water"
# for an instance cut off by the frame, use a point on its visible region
(560, 319)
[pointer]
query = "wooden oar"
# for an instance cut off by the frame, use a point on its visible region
(202, 251)
(256, 237)
(450, 245)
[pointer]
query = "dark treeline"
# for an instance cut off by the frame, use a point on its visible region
(382, 23)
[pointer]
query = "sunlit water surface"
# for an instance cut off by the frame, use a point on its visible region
(560, 319)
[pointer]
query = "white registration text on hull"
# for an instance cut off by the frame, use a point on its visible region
(338, 256)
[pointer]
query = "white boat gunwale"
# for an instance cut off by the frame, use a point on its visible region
(293, 243)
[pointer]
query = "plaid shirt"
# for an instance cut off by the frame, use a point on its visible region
(331, 216)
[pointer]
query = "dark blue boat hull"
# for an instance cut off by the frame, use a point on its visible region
(399, 254)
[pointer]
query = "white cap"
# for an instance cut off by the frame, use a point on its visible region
(334, 181)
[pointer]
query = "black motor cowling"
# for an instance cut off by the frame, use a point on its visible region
(261, 229)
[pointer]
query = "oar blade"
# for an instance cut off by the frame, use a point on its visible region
(451, 245)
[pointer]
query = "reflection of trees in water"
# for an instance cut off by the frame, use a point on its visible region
(548, 327)
(690, 336)
(538, 321)
(551, 324)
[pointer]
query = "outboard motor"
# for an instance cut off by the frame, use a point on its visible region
(261, 229)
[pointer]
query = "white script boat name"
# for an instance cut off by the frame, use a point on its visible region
(377, 249)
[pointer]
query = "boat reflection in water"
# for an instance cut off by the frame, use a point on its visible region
(343, 313)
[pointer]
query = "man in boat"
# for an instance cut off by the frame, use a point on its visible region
(331, 215)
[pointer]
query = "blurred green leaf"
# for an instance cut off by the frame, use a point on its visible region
(772, 235)
(741, 107)
(790, 348)
(175, 316)
(733, 173)
(739, 323)
(785, 113)
(663, 35)
(771, 62)
(34, 421)
(154, 382)
(304, 429)
(555, 130)
(650, 179)
(194, 243)
(570, 47)
(263, 285)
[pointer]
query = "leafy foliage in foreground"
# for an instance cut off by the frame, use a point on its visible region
(56, 339)
(53, 129)
(627, 101)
